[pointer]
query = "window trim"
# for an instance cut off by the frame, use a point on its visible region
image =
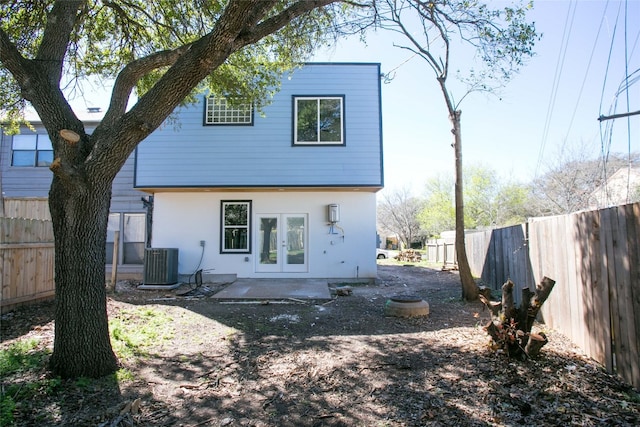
(317, 143)
(223, 249)
(207, 104)
(123, 240)
(36, 151)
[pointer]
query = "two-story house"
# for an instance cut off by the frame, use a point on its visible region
(289, 192)
(25, 180)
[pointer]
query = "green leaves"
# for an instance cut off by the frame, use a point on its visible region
(489, 201)
(109, 34)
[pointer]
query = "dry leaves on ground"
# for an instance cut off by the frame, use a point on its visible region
(341, 363)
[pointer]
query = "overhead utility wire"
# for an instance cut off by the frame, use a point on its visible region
(584, 80)
(556, 81)
(626, 74)
(607, 135)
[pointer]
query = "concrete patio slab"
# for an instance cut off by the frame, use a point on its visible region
(275, 289)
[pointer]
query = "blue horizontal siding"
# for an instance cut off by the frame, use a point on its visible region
(23, 182)
(190, 154)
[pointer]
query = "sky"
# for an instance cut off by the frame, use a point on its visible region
(549, 108)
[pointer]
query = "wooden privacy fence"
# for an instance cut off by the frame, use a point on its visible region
(26, 261)
(27, 207)
(442, 252)
(594, 257)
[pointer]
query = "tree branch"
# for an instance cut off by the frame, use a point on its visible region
(19, 67)
(131, 73)
(36, 88)
(280, 20)
(188, 66)
(55, 40)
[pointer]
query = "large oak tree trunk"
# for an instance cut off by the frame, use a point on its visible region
(80, 212)
(84, 166)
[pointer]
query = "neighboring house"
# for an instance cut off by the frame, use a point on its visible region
(286, 193)
(25, 181)
(622, 187)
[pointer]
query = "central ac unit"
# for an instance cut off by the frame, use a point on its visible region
(161, 266)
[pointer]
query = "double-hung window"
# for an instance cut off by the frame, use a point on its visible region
(236, 224)
(318, 120)
(220, 111)
(31, 150)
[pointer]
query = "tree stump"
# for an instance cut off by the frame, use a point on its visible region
(510, 326)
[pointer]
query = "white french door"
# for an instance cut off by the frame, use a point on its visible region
(281, 243)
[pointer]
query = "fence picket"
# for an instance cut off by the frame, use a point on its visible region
(26, 258)
(594, 257)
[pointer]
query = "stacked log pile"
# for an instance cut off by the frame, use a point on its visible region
(409, 255)
(510, 326)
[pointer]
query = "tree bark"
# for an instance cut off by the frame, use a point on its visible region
(83, 170)
(470, 290)
(510, 327)
(535, 343)
(508, 306)
(80, 212)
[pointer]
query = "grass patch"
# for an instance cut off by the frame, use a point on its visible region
(13, 394)
(21, 356)
(27, 360)
(135, 331)
(124, 375)
(23, 365)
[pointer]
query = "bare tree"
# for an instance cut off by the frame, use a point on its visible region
(502, 38)
(572, 176)
(398, 213)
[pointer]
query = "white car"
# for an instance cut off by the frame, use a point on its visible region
(385, 253)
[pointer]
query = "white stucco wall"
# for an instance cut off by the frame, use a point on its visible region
(182, 220)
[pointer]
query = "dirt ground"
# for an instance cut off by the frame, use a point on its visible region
(336, 363)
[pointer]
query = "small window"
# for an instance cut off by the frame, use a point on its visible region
(31, 150)
(218, 111)
(133, 239)
(318, 120)
(235, 226)
(132, 228)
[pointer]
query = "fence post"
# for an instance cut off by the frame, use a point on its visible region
(114, 262)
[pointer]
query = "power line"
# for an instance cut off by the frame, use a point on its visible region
(556, 80)
(607, 137)
(626, 74)
(584, 80)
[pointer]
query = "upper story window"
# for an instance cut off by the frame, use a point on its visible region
(220, 112)
(318, 120)
(31, 150)
(235, 226)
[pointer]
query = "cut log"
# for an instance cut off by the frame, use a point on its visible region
(507, 300)
(542, 293)
(510, 327)
(494, 332)
(69, 136)
(493, 306)
(485, 292)
(410, 255)
(535, 343)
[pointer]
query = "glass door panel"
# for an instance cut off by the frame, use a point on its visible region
(295, 245)
(281, 243)
(268, 257)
